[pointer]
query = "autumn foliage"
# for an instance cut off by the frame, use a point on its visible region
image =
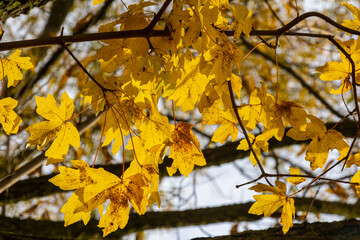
(194, 63)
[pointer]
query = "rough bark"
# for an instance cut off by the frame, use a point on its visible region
(346, 230)
(28, 228)
(37, 187)
(13, 8)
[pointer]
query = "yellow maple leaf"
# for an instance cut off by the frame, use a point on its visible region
(269, 203)
(8, 118)
(342, 70)
(57, 127)
(70, 179)
(155, 130)
(184, 150)
(264, 108)
(95, 2)
(150, 148)
(147, 163)
(355, 23)
(117, 52)
(190, 83)
(292, 113)
(323, 140)
(70, 216)
(243, 21)
(356, 179)
(217, 115)
(354, 159)
(295, 180)
(224, 56)
(201, 24)
(93, 188)
(94, 94)
(260, 143)
(11, 67)
(250, 113)
(121, 116)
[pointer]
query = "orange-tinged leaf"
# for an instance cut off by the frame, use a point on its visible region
(8, 118)
(117, 213)
(11, 67)
(116, 216)
(267, 204)
(149, 156)
(57, 127)
(185, 150)
(263, 108)
(295, 180)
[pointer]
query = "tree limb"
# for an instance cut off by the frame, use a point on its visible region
(153, 220)
(347, 229)
(37, 187)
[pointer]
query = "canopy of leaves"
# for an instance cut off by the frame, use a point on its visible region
(165, 85)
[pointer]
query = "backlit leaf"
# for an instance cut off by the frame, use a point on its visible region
(322, 141)
(57, 127)
(295, 180)
(185, 150)
(8, 118)
(269, 203)
(11, 67)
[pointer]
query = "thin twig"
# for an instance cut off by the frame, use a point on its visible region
(232, 98)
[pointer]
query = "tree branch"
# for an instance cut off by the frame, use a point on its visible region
(347, 229)
(37, 187)
(146, 33)
(153, 220)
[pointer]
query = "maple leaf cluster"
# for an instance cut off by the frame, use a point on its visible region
(193, 68)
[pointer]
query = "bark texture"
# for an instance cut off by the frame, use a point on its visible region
(13, 8)
(15, 228)
(344, 230)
